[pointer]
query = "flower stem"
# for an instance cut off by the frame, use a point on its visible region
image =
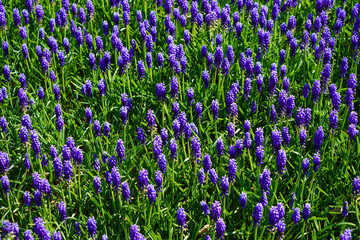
(11, 213)
(149, 217)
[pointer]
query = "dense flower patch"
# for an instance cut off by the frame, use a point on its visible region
(128, 119)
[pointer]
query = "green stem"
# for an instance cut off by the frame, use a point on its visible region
(11, 213)
(127, 36)
(69, 192)
(79, 183)
(7, 146)
(113, 200)
(357, 213)
(63, 82)
(256, 229)
(216, 132)
(128, 83)
(149, 217)
(332, 144)
(163, 113)
(250, 161)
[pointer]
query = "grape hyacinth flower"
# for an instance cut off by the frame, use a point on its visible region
(346, 234)
(116, 179)
(5, 184)
(27, 198)
(62, 211)
(141, 70)
(141, 136)
(302, 137)
(26, 121)
(190, 96)
(345, 209)
(143, 178)
(265, 180)
(253, 107)
(68, 170)
(164, 136)
(224, 186)
(35, 143)
(157, 146)
(257, 214)
(286, 136)
(296, 216)
(125, 190)
(352, 131)
(300, 117)
(273, 82)
(353, 119)
(247, 140)
(259, 137)
(305, 165)
(218, 56)
(77, 229)
(307, 116)
(243, 200)
(273, 216)
(215, 109)
(91, 224)
(149, 60)
(352, 82)
(160, 59)
(215, 211)
(281, 210)
(16, 17)
(27, 163)
(196, 148)
(162, 162)
(316, 161)
(173, 148)
(3, 125)
(150, 118)
(120, 149)
(232, 169)
(220, 228)
(97, 184)
(292, 200)
(259, 82)
(37, 198)
(281, 161)
(174, 87)
(207, 162)
(276, 139)
(181, 218)
(198, 109)
(316, 91)
(135, 233)
(58, 167)
(106, 129)
(213, 176)
(23, 100)
(23, 33)
(158, 180)
(318, 139)
(5, 46)
(23, 134)
(259, 152)
(205, 208)
(220, 147)
(306, 211)
(280, 226)
(56, 91)
(201, 176)
(333, 119)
